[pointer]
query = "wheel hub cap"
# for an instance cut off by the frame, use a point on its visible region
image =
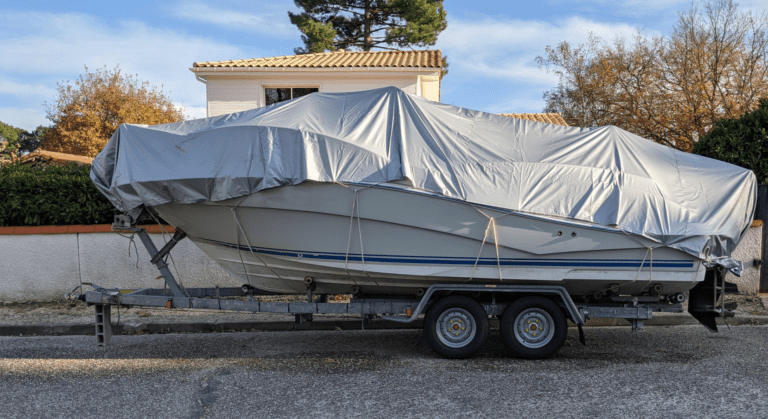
(456, 328)
(534, 328)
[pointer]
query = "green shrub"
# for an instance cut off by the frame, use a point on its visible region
(742, 141)
(52, 195)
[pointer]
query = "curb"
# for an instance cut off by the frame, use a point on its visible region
(209, 327)
(201, 327)
(678, 320)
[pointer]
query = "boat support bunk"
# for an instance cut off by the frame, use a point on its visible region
(532, 318)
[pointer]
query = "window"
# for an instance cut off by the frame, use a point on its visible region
(279, 94)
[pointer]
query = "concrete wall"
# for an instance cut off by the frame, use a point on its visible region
(749, 249)
(42, 267)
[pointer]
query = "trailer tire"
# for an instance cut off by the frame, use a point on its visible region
(533, 327)
(456, 326)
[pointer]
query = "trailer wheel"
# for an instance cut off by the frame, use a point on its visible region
(456, 326)
(533, 327)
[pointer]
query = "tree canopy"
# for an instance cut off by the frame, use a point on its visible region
(30, 141)
(327, 25)
(9, 141)
(87, 114)
(671, 89)
(8, 132)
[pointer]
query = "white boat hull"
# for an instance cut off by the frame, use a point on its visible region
(390, 239)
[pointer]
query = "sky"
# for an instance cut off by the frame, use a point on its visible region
(491, 45)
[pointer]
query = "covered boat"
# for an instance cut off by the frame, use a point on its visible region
(382, 192)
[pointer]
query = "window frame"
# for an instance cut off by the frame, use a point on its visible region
(290, 86)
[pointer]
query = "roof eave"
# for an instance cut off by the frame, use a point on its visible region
(202, 71)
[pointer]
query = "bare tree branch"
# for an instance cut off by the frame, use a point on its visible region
(713, 65)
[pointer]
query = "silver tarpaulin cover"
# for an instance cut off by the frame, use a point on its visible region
(603, 175)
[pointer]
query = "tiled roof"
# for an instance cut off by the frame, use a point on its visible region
(340, 58)
(550, 118)
(45, 157)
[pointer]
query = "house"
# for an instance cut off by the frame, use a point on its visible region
(238, 85)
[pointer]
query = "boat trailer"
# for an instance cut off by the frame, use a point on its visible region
(458, 298)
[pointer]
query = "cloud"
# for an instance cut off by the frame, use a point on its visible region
(507, 48)
(493, 60)
(192, 112)
(39, 49)
(272, 22)
(756, 7)
(641, 9)
(55, 43)
(626, 8)
(520, 105)
(25, 118)
(21, 89)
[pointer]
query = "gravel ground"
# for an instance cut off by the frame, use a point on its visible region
(678, 371)
(682, 372)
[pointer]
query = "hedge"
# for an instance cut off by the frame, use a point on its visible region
(51, 195)
(742, 141)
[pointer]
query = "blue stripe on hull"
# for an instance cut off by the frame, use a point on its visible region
(444, 260)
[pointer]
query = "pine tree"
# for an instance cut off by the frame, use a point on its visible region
(328, 25)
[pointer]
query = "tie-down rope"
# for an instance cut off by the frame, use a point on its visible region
(648, 251)
(250, 248)
(237, 241)
(491, 227)
(355, 213)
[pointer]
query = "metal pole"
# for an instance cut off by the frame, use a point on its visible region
(159, 262)
(761, 212)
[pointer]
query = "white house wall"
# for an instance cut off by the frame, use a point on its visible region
(234, 93)
(430, 87)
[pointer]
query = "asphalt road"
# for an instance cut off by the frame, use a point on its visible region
(664, 372)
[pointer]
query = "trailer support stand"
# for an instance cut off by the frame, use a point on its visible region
(307, 317)
(122, 223)
(103, 324)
